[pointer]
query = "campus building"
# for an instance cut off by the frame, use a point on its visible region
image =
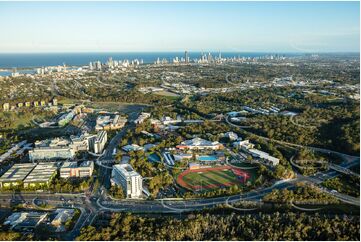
(16, 175)
(199, 144)
(100, 142)
(267, 158)
(132, 183)
(248, 147)
(41, 175)
(49, 149)
(25, 220)
(83, 142)
(108, 123)
(72, 169)
(29, 175)
(62, 216)
(245, 145)
(142, 117)
(66, 118)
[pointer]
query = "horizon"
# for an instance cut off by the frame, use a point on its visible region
(101, 27)
(179, 51)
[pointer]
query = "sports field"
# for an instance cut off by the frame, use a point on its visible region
(212, 178)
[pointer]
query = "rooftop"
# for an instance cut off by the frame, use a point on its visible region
(17, 172)
(198, 142)
(74, 164)
(52, 143)
(126, 169)
(42, 172)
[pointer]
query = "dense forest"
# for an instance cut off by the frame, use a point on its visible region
(277, 226)
(322, 121)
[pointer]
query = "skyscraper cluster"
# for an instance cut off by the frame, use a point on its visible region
(113, 64)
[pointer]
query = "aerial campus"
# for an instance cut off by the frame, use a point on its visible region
(186, 145)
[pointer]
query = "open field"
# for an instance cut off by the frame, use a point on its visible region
(212, 178)
(166, 93)
(119, 107)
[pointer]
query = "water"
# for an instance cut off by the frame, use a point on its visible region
(207, 158)
(79, 59)
(8, 73)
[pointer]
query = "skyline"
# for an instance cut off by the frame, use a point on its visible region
(177, 26)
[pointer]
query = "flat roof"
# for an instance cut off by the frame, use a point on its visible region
(74, 164)
(42, 172)
(17, 172)
(126, 169)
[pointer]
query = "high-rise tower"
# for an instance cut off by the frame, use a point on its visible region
(186, 57)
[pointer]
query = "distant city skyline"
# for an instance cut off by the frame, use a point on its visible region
(41, 27)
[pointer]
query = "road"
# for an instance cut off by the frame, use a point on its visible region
(177, 206)
(322, 150)
(107, 157)
(99, 202)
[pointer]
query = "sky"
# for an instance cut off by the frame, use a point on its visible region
(179, 26)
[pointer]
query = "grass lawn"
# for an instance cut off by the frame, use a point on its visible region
(167, 94)
(211, 179)
(118, 107)
(251, 169)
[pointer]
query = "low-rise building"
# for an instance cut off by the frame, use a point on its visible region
(132, 183)
(15, 176)
(25, 220)
(231, 135)
(62, 216)
(50, 149)
(199, 144)
(142, 117)
(41, 175)
(168, 158)
(8, 153)
(267, 158)
(109, 123)
(132, 147)
(179, 156)
(65, 118)
(243, 144)
(248, 147)
(72, 169)
(169, 120)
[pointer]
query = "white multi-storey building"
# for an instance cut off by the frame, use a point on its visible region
(100, 142)
(132, 183)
